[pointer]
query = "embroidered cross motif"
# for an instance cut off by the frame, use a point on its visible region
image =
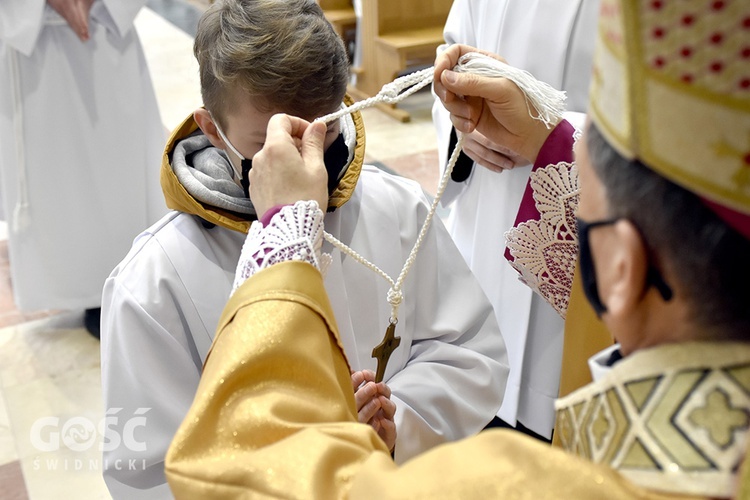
(720, 418)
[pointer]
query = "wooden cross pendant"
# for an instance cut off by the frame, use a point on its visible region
(382, 352)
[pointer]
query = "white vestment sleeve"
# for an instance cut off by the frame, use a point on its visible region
(449, 373)
(147, 369)
(20, 23)
(455, 378)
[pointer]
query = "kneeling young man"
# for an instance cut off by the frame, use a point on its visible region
(162, 304)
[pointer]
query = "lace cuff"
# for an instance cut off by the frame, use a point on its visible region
(545, 251)
(543, 245)
(294, 233)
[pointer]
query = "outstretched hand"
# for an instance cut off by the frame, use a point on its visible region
(496, 107)
(290, 166)
(76, 13)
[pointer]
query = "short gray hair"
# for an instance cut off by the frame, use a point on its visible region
(706, 257)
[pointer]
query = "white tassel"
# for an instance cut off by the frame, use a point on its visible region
(548, 102)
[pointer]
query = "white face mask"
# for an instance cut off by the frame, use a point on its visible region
(247, 164)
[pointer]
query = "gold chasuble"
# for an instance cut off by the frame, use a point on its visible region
(274, 416)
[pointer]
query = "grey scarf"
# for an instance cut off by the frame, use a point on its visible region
(207, 175)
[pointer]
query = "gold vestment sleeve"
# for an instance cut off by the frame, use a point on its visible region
(274, 412)
(274, 416)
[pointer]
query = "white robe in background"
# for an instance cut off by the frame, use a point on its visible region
(163, 302)
(80, 147)
(553, 40)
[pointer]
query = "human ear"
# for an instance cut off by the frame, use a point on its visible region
(206, 123)
(627, 270)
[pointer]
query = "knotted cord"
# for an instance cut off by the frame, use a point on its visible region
(547, 102)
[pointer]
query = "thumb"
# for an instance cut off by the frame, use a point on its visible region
(468, 84)
(312, 143)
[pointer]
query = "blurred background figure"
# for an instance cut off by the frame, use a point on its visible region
(80, 143)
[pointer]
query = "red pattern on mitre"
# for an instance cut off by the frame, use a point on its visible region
(671, 88)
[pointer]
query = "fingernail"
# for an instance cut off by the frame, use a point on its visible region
(321, 129)
(450, 76)
(466, 126)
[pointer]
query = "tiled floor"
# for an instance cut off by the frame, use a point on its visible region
(49, 365)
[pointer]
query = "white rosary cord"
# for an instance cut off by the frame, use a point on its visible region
(395, 295)
(391, 93)
(548, 103)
